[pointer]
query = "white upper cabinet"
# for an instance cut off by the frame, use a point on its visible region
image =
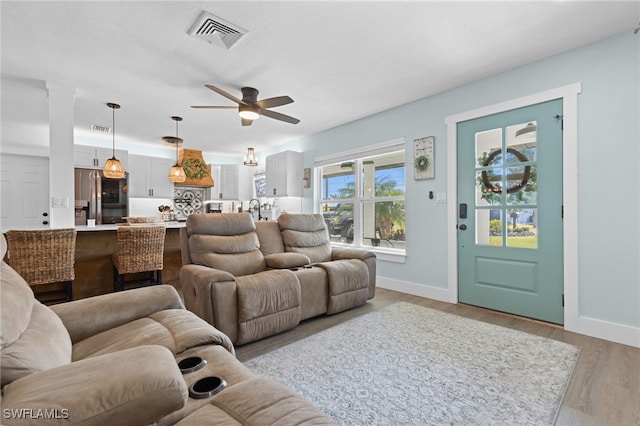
(225, 178)
(149, 177)
(284, 174)
(90, 157)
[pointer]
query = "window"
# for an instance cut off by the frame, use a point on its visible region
(361, 197)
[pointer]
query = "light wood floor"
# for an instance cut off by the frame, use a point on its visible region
(604, 389)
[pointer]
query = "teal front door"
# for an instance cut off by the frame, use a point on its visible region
(510, 212)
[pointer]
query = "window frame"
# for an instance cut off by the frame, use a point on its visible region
(359, 200)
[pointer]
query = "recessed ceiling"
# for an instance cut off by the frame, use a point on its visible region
(340, 61)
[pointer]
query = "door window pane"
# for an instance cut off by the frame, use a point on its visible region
(488, 148)
(521, 138)
(489, 227)
(522, 184)
(489, 187)
(522, 229)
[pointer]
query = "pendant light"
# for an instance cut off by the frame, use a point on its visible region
(176, 174)
(250, 159)
(113, 168)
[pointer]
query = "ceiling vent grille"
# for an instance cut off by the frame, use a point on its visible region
(213, 29)
(101, 129)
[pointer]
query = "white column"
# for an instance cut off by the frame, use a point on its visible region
(61, 176)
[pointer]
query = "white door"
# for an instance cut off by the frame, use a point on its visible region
(25, 192)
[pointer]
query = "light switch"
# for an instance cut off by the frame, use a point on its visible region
(441, 197)
(59, 203)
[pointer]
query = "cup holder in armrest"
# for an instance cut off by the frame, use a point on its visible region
(207, 387)
(191, 364)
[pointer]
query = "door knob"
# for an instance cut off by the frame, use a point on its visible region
(462, 227)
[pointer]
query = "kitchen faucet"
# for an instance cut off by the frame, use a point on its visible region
(257, 201)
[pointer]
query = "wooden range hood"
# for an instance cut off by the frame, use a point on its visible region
(197, 171)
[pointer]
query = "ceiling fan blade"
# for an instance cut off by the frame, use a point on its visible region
(246, 122)
(274, 102)
(278, 116)
(214, 106)
(225, 94)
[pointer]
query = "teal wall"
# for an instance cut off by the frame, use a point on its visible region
(608, 159)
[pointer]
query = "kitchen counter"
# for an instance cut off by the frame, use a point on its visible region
(93, 266)
(113, 227)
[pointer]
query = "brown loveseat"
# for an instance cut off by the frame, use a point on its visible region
(252, 280)
(113, 359)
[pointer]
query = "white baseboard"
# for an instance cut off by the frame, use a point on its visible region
(606, 330)
(422, 290)
(592, 327)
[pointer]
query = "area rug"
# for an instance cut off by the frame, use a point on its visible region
(409, 365)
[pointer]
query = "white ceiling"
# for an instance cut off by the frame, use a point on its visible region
(340, 61)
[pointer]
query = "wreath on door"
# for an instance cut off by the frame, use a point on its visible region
(515, 188)
(195, 168)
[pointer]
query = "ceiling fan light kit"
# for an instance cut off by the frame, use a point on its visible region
(112, 167)
(248, 112)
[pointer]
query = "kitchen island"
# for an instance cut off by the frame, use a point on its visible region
(94, 269)
(93, 266)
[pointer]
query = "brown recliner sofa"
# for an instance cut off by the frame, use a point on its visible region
(113, 359)
(256, 279)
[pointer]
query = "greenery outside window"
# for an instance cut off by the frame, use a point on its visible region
(362, 198)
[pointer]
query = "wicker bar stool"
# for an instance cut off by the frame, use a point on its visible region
(44, 256)
(139, 248)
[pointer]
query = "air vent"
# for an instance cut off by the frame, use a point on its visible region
(213, 29)
(101, 129)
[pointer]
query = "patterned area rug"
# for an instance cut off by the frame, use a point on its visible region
(409, 365)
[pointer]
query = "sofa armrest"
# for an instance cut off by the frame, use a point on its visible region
(286, 260)
(338, 253)
(86, 317)
(367, 256)
(212, 295)
(132, 386)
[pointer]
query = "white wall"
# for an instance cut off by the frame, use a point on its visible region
(608, 182)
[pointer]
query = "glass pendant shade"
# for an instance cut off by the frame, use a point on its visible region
(112, 167)
(176, 173)
(250, 158)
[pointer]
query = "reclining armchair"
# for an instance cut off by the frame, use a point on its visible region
(252, 280)
(114, 359)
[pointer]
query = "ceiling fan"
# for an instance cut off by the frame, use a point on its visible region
(250, 108)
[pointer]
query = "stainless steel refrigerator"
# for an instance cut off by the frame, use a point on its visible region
(100, 198)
